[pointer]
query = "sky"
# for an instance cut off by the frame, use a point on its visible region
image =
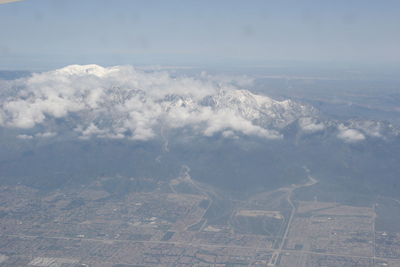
(44, 34)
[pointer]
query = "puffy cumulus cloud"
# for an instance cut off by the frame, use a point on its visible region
(229, 134)
(311, 125)
(349, 135)
(227, 119)
(370, 128)
(24, 136)
(46, 134)
(124, 102)
(1, 118)
(38, 135)
(89, 131)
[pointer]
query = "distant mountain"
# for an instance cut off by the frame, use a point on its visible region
(77, 123)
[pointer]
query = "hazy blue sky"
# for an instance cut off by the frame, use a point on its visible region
(49, 33)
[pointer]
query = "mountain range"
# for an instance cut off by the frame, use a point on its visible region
(71, 125)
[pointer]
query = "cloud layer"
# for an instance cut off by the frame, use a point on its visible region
(350, 135)
(124, 102)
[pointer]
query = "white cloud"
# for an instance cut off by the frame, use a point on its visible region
(310, 125)
(349, 135)
(89, 131)
(124, 102)
(370, 128)
(46, 134)
(1, 118)
(24, 136)
(229, 134)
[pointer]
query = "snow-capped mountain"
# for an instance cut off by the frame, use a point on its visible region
(91, 121)
(122, 102)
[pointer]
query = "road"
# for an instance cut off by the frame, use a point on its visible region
(194, 244)
(185, 177)
(311, 181)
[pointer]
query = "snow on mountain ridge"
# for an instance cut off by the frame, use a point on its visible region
(263, 110)
(124, 102)
(91, 69)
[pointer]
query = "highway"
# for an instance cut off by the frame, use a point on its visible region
(311, 181)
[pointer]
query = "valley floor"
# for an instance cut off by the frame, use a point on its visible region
(186, 223)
